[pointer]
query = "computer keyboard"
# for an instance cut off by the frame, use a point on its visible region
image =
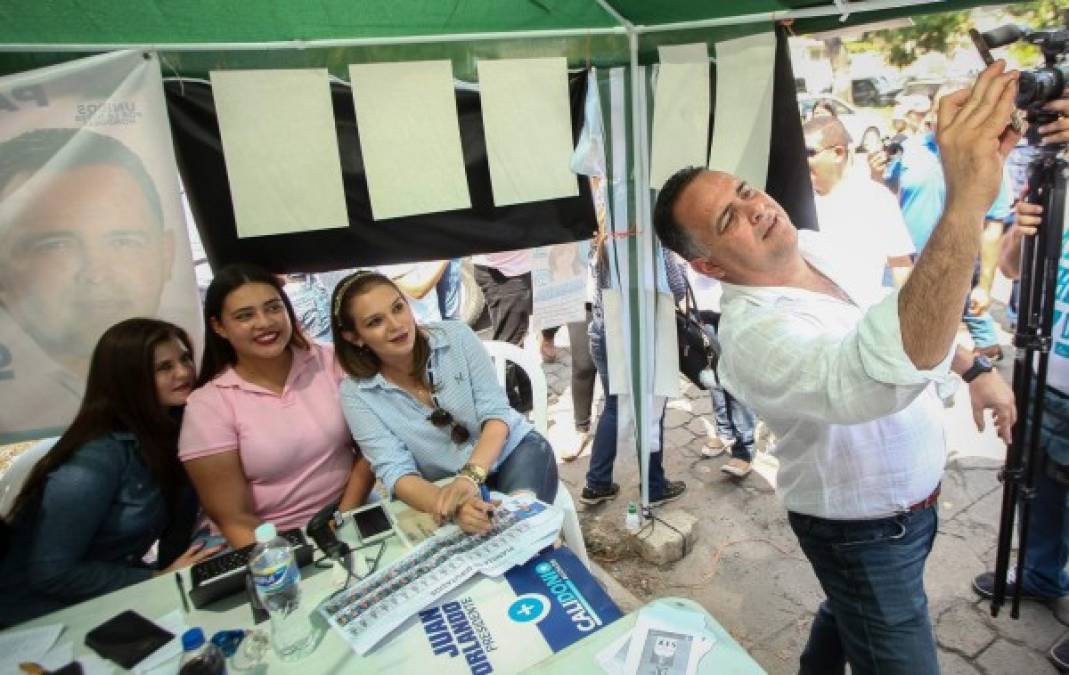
(224, 574)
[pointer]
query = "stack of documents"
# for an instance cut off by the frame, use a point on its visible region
(375, 606)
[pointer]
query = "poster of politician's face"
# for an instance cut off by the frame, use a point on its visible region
(91, 228)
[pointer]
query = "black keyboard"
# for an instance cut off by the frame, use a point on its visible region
(224, 574)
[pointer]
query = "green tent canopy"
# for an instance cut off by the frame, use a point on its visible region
(196, 36)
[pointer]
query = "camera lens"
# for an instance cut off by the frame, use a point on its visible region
(1038, 86)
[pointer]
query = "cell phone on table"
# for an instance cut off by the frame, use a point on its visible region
(373, 523)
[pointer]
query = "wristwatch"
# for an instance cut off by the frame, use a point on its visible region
(980, 365)
(474, 472)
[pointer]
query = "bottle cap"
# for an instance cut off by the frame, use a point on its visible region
(192, 639)
(632, 507)
(265, 533)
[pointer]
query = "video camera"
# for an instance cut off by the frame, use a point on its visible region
(1041, 85)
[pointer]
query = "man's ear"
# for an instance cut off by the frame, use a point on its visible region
(708, 268)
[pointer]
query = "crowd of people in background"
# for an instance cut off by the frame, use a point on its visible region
(313, 387)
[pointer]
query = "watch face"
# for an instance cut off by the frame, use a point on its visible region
(981, 362)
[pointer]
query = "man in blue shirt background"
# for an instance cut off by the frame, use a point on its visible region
(918, 173)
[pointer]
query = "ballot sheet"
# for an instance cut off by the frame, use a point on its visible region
(369, 610)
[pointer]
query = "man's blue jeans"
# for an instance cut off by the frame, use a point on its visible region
(1048, 538)
(875, 616)
(603, 447)
(734, 421)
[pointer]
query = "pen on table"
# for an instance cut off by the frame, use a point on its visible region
(181, 591)
(484, 494)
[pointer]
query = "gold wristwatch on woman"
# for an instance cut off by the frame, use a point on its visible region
(473, 472)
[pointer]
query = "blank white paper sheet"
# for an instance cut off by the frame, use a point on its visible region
(742, 123)
(680, 111)
(282, 160)
(406, 114)
(528, 127)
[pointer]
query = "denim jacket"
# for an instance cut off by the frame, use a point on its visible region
(100, 513)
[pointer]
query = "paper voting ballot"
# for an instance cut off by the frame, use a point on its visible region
(501, 625)
(375, 606)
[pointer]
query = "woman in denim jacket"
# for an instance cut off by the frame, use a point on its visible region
(111, 486)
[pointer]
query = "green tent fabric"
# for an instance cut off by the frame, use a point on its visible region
(592, 32)
(208, 21)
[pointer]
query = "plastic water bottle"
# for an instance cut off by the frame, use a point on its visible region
(277, 579)
(632, 522)
(200, 657)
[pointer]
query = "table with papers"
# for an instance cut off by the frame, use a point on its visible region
(158, 600)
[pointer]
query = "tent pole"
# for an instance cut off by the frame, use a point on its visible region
(642, 246)
(642, 250)
(831, 9)
(315, 44)
(625, 27)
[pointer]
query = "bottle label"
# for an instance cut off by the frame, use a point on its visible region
(275, 578)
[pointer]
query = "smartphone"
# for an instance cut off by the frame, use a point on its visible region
(373, 523)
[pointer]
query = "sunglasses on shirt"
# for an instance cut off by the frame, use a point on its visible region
(440, 417)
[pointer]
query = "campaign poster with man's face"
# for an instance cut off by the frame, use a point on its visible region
(91, 228)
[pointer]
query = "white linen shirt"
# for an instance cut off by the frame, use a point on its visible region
(859, 429)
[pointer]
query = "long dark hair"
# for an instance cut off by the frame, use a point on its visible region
(361, 362)
(120, 395)
(218, 352)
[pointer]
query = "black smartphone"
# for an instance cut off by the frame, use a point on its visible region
(127, 638)
(373, 523)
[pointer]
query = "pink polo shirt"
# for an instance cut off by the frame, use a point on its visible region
(295, 447)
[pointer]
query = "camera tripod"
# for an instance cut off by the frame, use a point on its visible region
(1047, 174)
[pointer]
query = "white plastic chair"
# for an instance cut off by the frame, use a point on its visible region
(502, 353)
(15, 476)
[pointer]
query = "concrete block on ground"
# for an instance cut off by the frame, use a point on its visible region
(667, 539)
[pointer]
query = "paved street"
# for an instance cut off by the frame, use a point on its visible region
(749, 572)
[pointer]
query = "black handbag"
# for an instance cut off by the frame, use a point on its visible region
(698, 350)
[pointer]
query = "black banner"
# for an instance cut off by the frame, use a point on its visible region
(788, 166)
(481, 229)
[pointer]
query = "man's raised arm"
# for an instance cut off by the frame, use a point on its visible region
(974, 140)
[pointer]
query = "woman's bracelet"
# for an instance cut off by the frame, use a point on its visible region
(476, 473)
(473, 481)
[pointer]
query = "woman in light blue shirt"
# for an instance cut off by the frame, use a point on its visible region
(423, 403)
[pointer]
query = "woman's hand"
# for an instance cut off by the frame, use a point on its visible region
(474, 516)
(193, 555)
(452, 496)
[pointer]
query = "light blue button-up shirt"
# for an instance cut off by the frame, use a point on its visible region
(392, 427)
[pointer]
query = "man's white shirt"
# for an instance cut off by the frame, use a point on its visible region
(863, 222)
(859, 429)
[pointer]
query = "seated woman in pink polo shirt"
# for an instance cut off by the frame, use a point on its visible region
(263, 437)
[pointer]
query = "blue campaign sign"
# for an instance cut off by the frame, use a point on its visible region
(556, 592)
(545, 605)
